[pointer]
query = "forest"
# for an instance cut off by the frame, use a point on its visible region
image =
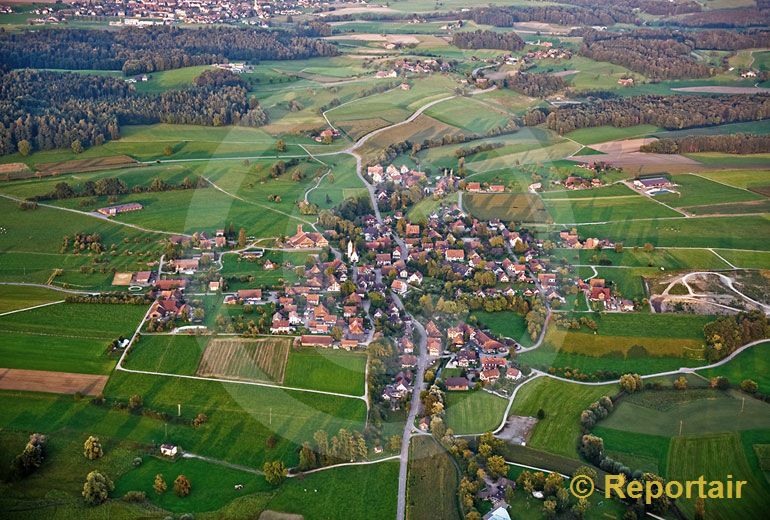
(670, 112)
(730, 143)
(656, 54)
(488, 40)
(140, 50)
(725, 18)
(507, 16)
(67, 108)
(535, 85)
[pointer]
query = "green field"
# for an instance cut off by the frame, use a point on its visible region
(519, 207)
(172, 354)
(14, 297)
(327, 370)
(562, 403)
(697, 191)
(740, 232)
(635, 450)
(432, 473)
(507, 324)
(605, 209)
(68, 337)
(469, 114)
(170, 79)
(601, 134)
(670, 258)
(752, 363)
(474, 411)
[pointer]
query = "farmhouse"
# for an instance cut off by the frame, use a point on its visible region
(168, 450)
(306, 240)
(111, 211)
(250, 296)
(316, 341)
(457, 383)
(185, 265)
(165, 310)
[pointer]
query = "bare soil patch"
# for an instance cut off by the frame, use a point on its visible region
(122, 279)
(85, 165)
(51, 382)
(275, 515)
(13, 171)
(517, 429)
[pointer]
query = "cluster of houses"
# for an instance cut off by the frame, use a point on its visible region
(576, 182)
(478, 187)
(480, 356)
(403, 176)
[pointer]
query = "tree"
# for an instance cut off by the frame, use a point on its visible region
(749, 386)
(307, 457)
(275, 472)
(700, 509)
(280, 145)
(680, 383)
(631, 383)
(182, 486)
(159, 485)
(200, 419)
(496, 466)
(97, 488)
(31, 458)
(327, 139)
(242, 238)
(135, 402)
(76, 146)
(168, 150)
(92, 449)
(720, 383)
(24, 147)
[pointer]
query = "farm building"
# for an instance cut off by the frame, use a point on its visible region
(457, 383)
(111, 211)
(168, 450)
(316, 341)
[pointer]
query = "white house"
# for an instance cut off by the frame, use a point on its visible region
(169, 450)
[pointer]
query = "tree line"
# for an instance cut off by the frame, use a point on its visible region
(726, 18)
(113, 186)
(139, 50)
(47, 110)
(556, 14)
(488, 40)
(670, 112)
(730, 143)
(535, 85)
(656, 54)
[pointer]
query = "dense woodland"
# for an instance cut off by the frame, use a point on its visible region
(730, 143)
(135, 50)
(656, 54)
(654, 7)
(55, 110)
(671, 112)
(727, 18)
(535, 85)
(488, 40)
(720, 39)
(561, 15)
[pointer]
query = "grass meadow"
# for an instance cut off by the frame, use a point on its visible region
(751, 364)
(605, 209)
(19, 297)
(474, 411)
(432, 473)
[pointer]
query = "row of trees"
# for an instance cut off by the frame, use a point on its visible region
(670, 112)
(346, 446)
(730, 143)
(113, 186)
(140, 50)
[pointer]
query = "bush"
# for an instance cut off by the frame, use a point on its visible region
(135, 496)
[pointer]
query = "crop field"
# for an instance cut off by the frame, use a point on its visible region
(698, 191)
(421, 129)
(327, 370)
(474, 411)
(726, 161)
(693, 456)
(562, 403)
(612, 190)
(431, 473)
(738, 232)
(248, 359)
(605, 209)
(469, 114)
(68, 337)
(528, 155)
(751, 364)
(84, 165)
(518, 207)
(601, 134)
(700, 411)
(172, 354)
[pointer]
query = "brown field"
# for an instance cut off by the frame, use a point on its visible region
(51, 382)
(261, 359)
(122, 278)
(356, 128)
(518, 207)
(762, 190)
(85, 165)
(422, 128)
(597, 345)
(13, 171)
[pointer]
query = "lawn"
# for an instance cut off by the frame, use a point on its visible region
(739, 232)
(606, 209)
(20, 297)
(327, 370)
(752, 363)
(714, 456)
(69, 337)
(562, 403)
(474, 411)
(432, 473)
(507, 324)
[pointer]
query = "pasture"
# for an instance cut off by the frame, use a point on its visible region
(562, 403)
(68, 337)
(469, 114)
(13, 297)
(636, 450)
(505, 323)
(695, 190)
(601, 134)
(746, 259)
(261, 359)
(171, 79)
(669, 258)
(473, 411)
(172, 354)
(431, 472)
(326, 369)
(516, 207)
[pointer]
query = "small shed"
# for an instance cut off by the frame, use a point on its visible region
(168, 450)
